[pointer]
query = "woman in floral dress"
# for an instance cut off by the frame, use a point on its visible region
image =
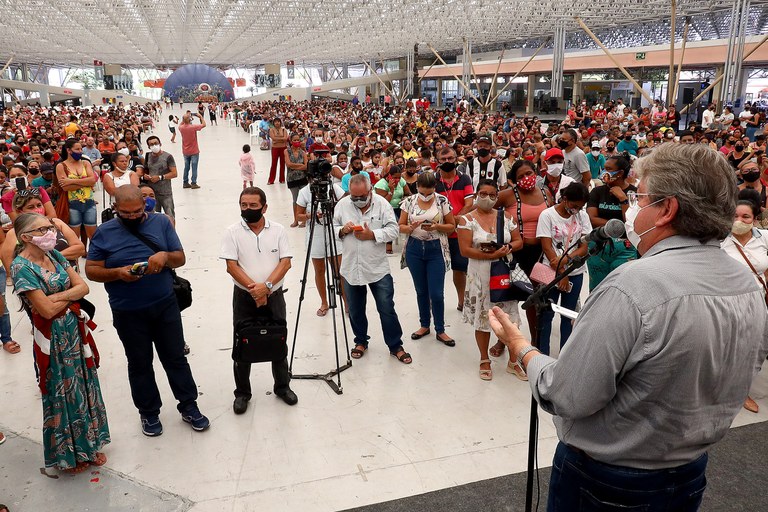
(74, 418)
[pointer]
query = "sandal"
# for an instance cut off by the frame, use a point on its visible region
(322, 311)
(294, 224)
(418, 336)
(357, 353)
(402, 356)
(2, 438)
(79, 468)
(460, 307)
(447, 342)
(12, 347)
(486, 374)
(100, 459)
(497, 350)
(514, 368)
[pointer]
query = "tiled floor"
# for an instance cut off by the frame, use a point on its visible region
(396, 431)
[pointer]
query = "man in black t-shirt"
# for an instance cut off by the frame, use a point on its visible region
(608, 202)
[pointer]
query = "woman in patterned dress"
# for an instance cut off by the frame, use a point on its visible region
(74, 418)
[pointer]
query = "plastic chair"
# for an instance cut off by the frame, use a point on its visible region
(253, 132)
(231, 119)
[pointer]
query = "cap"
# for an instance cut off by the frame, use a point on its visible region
(484, 139)
(596, 144)
(553, 152)
(320, 148)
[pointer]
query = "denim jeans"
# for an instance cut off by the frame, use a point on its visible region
(580, 483)
(5, 320)
(427, 267)
(383, 292)
(191, 160)
(568, 301)
(160, 326)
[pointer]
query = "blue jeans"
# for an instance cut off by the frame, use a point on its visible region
(580, 483)
(383, 292)
(191, 160)
(427, 267)
(5, 320)
(568, 301)
(82, 213)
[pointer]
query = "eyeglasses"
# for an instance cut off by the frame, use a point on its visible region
(633, 197)
(41, 230)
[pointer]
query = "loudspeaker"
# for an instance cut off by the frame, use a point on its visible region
(687, 95)
(109, 82)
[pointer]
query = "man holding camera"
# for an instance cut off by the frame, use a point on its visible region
(258, 257)
(189, 147)
(159, 170)
(145, 311)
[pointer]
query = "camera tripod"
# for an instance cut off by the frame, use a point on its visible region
(323, 202)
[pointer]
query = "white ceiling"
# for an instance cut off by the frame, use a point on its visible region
(252, 32)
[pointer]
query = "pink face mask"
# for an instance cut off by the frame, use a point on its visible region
(40, 210)
(45, 242)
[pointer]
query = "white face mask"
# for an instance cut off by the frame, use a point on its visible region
(741, 228)
(426, 198)
(631, 214)
(155, 149)
(595, 153)
(555, 170)
(124, 151)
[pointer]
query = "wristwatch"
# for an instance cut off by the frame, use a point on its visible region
(523, 353)
(269, 285)
(626, 201)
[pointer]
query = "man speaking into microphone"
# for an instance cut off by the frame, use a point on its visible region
(660, 359)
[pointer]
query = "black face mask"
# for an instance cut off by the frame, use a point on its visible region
(627, 137)
(132, 224)
(562, 143)
(357, 169)
(751, 176)
(34, 171)
(483, 152)
(252, 216)
(448, 167)
(609, 148)
(739, 147)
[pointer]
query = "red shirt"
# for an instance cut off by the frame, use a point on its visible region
(456, 192)
(189, 138)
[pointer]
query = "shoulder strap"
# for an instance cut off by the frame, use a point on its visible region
(759, 277)
(520, 208)
(500, 226)
(146, 241)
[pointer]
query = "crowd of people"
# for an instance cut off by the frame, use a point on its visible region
(463, 188)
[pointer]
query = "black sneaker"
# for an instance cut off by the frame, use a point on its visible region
(187, 185)
(195, 418)
(194, 186)
(151, 426)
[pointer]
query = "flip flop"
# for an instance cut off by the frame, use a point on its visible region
(100, 459)
(12, 347)
(81, 466)
(496, 352)
(322, 311)
(2, 438)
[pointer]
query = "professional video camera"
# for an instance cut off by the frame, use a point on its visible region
(319, 175)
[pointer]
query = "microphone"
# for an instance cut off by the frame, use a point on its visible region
(614, 228)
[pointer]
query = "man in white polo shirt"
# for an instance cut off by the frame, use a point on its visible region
(258, 257)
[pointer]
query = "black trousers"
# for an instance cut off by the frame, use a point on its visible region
(160, 326)
(244, 308)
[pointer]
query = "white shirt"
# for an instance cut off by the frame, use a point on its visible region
(707, 118)
(563, 232)
(258, 255)
(365, 261)
(756, 250)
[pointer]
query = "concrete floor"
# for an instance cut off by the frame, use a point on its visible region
(396, 430)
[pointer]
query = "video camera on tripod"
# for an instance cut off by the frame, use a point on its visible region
(319, 175)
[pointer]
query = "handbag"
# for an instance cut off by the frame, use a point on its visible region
(182, 288)
(508, 282)
(259, 342)
(759, 277)
(107, 213)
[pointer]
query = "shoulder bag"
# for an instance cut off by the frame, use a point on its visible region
(107, 213)
(754, 271)
(182, 288)
(508, 282)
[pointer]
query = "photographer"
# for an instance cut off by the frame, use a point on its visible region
(189, 147)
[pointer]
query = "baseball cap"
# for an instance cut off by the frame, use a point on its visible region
(596, 145)
(484, 139)
(320, 148)
(553, 152)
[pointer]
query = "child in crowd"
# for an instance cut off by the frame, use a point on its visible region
(173, 122)
(247, 166)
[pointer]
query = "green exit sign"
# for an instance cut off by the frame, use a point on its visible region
(640, 56)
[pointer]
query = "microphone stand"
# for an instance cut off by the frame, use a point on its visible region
(541, 301)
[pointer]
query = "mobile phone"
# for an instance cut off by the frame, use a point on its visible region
(489, 247)
(21, 183)
(426, 222)
(138, 269)
(358, 228)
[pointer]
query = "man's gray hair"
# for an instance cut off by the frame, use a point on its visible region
(360, 178)
(702, 181)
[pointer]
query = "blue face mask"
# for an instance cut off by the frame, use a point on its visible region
(76, 156)
(149, 204)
